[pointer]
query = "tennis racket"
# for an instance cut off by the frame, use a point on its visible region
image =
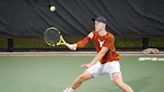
(53, 37)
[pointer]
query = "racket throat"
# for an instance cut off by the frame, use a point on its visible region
(59, 43)
(62, 41)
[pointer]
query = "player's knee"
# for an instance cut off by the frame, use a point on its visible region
(117, 78)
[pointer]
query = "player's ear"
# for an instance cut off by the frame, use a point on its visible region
(104, 24)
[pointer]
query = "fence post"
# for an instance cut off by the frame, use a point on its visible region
(10, 44)
(145, 42)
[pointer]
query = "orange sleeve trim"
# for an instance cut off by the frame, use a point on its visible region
(83, 42)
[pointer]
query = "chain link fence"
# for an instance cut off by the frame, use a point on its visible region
(36, 44)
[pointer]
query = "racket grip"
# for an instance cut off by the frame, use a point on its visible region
(71, 46)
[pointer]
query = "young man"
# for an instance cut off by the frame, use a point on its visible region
(106, 61)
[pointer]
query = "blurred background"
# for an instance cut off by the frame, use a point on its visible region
(136, 24)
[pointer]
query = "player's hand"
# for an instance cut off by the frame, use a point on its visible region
(86, 65)
(72, 46)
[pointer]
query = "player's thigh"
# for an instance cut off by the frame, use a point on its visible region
(95, 70)
(112, 68)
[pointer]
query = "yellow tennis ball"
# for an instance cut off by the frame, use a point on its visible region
(52, 8)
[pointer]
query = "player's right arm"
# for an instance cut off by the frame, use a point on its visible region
(81, 43)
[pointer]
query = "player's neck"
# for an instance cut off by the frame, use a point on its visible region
(102, 32)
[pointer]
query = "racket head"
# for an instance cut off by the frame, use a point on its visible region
(52, 36)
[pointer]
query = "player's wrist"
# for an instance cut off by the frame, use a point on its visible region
(72, 46)
(75, 44)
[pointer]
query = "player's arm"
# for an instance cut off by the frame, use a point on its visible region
(98, 57)
(81, 43)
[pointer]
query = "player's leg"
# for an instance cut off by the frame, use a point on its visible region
(91, 72)
(117, 79)
(113, 69)
(78, 81)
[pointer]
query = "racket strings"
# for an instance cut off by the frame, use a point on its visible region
(52, 37)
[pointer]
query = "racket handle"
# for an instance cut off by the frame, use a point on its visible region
(71, 46)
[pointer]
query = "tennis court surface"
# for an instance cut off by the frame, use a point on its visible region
(53, 73)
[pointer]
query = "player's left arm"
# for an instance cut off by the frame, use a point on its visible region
(98, 57)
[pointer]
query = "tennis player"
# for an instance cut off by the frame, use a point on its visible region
(105, 62)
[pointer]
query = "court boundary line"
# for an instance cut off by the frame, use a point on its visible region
(77, 53)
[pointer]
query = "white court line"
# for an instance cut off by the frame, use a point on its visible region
(69, 53)
(47, 53)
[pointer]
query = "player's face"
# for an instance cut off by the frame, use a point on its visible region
(99, 26)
